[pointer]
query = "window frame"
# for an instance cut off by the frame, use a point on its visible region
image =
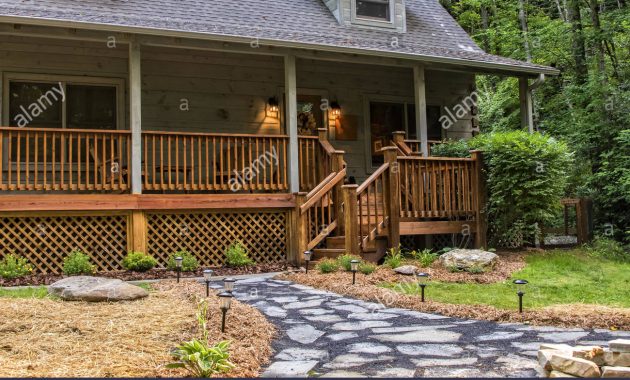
(367, 21)
(65, 80)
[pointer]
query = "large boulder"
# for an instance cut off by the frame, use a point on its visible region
(95, 289)
(465, 259)
(407, 270)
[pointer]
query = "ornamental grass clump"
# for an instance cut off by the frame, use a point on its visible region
(138, 262)
(189, 262)
(367, 268)
(344, 261)
(14, 266)
(78, 263)
(328, 266)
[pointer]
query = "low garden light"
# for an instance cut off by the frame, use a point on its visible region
(423, 278)
(307, 258)
(354, 267)
(226, 303)
(520, 286)
(228, 284)
(207, 276)
(178, 265)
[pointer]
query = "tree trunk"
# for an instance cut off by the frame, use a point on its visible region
(561, 13)
(485, 25)
(522, 16)
(599, 38)
(579, 48)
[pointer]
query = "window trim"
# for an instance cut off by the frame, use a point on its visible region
(358, 20)
(117, 83)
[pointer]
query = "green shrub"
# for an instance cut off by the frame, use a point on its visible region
(453, 269)
(394, 258)
(345, 260)
(236, 255)
(475, 269)
(138, 262)
(367, 268)
(526, 177)
(451, 148)
(78, 263)
(13, 266)
(328, 266)
(607, 249)
(425, 257)
(189, 262)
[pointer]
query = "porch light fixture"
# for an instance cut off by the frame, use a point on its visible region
(422, 282)
(307, 258)
(273, 107)
(335, 109)
(178, 266)
(228, 284)
(207, 275)
(520, 285)
(226, 303)
(354, 267)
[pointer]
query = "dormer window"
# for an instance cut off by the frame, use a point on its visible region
(379, 10)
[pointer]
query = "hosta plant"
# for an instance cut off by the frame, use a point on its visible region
(202, 360)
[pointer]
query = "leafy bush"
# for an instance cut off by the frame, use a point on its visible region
(425, 257)
(394, 258)
(189, 262)
(237, 256)
(476, 269)
(138, 262)
(367, 268)
(451, 148)
(13, 266)
(607, 249)
(78, 263)
(345, 260)
(526, 177)
(328, 266)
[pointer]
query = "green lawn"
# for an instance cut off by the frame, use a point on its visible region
(556, 277)
(38, 292)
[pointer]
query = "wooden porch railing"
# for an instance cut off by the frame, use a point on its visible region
(316, 159)
(45, 159)
(214, 162)
(409, 147)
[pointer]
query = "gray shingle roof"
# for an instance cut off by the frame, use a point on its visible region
(432, 34)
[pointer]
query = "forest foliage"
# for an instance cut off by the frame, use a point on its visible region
(587, 106)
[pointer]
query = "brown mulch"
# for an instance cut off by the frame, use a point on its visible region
(53, 338)
(508, 263)
(366, 288)
(153, 274)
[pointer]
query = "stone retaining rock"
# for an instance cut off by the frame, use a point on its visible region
(465, 259)
(407, 270)
(620, 345)
(561, 360)
(616, 372)
(95, 289)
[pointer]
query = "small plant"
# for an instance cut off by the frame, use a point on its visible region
(345, 260)
(476, 269)
(394, 258)
(189, 262)
(367, 268)
(78, 263)
(328, 266)
(425, 257)
(138, 262)
(453, 269)
(13, 266)
(606, 248)
(236, 255)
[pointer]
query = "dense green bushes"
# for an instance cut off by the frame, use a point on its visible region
(78, 263)
(189, 262)
(236, 255)
(138, 262)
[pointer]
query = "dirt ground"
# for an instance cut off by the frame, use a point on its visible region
(53, 338)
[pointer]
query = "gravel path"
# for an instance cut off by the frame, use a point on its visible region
(322, 334)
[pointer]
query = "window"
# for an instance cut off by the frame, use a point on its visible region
(386, 118)
(374, 9)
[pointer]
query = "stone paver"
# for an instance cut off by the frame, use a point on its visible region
(322, 334)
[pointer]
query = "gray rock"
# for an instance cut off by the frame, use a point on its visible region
(407, 270)
(350, 308)
(437, 372)
(274, 311)
(329, 318)
(289, 369)
(468, 258)
(618, 372)
(371, 316)
(500, 335)
(395, 373)
(443, 362)
(342, 336)
(563, 336)
(617, 359)
(353, 360)
(317, 311)
(301, 354)
(430, 336)
(95, 289)
(620, 345)
(361, 325)
(302, 305)
(391, 330)
(304, 334)
(368, 348)
(445, 350)
(284, 299)
(342, 374)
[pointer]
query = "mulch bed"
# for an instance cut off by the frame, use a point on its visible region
(366, 288)
(153, 274)
(54, 338)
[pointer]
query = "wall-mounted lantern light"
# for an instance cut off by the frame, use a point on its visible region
(335, 110)
(273, 107)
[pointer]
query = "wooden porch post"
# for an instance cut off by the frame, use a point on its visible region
(421, 109)
(527, 106)
(337, 166)
(135, 100)
(399, 136)
(351, 219)
(393, 195)
(299, 231)
(290, 83)
(479, 192)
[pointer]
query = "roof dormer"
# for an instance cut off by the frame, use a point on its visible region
(372, 14)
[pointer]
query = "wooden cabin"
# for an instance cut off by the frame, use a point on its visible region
(286, 124)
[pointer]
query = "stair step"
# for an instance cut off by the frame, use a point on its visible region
(327, 253)
(336, 242)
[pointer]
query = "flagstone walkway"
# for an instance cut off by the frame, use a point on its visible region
(322, 334)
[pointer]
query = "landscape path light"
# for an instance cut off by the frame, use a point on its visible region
(520, 285)
(207, 275)
(178, 266)
(423, 278)
(226, 303)
(354, 267)
(307, 258)
(228, 284)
